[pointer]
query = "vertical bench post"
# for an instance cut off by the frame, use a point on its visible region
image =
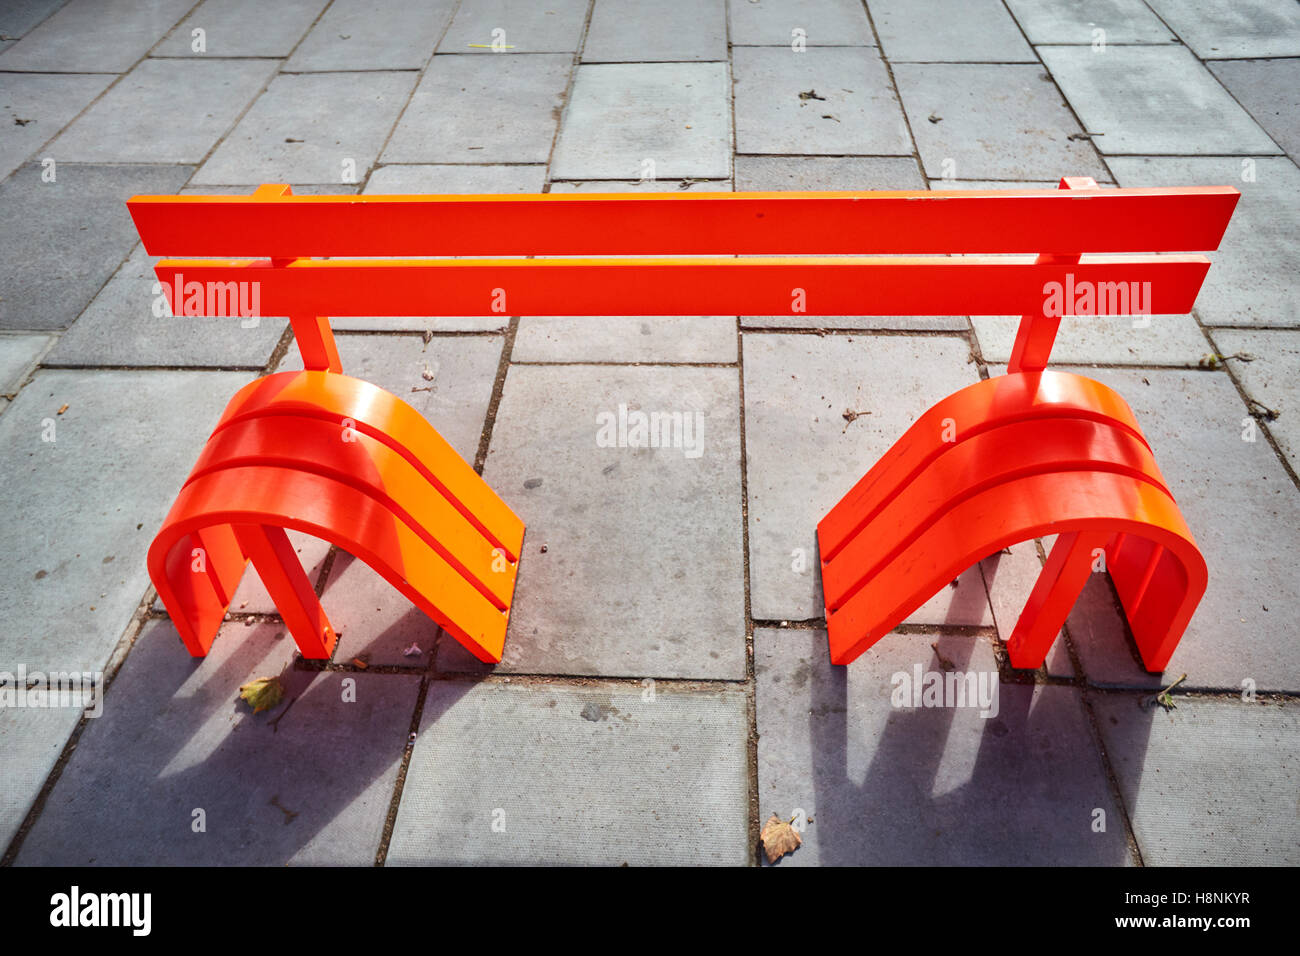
(1037, 333)
(313, 334)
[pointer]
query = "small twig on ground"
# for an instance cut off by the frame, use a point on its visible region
(1163, 698)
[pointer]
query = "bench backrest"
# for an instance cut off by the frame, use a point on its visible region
(763, 253)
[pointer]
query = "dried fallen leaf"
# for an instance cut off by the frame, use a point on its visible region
(360, 662)
(778, 838)
(262, 693)
(63, 408)
(412, 651)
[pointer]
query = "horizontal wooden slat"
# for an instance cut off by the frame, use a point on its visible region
(826, 223)
(700, 286)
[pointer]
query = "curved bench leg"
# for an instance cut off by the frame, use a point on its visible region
(1054, 594)
(277, 564)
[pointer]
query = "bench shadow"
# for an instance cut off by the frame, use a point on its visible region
(308, 782)
(923, 793)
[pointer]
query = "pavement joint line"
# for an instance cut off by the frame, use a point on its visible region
(1112, 779)
(399, 784)
(116, 659)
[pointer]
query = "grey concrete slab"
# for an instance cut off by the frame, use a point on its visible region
(1209, 783)
(816, 173)
(626, 338)
(471, 109)
(309, 783)
(992, 122)
(812, 22)
(802, 455)
(32, 739)
(1252, 276)
(298, 189)
(445, 179)
(241, 28)
(20, 16)
(19, 354)
(310, 128)
(865, 323)
(927, 785)
(1270, 91)
(1075, 21)
(66, 238)
(647, 186)
(516, 26)
(372, 619)
(601, 774)
(129, 124)
(372, 35)
(1244, 511)
(1217, 29)
(1152, 100)
(630, 31)
(643, 569)
(1271, 377)
(1009, 576)
(857, 111)
(1104, 339)
(83, 507)
(948, 31)
(120, 328)
(646, 121)
(94, 36)
(35, 106)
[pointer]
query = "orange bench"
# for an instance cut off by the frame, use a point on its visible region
(1029, 453)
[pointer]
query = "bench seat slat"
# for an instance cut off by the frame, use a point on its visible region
(1168, 219)
(700, 286)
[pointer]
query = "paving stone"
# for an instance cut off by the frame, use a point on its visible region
(66, 238)
(772, 116)
(1244, 511)
(818, 173)
(1209, 783)
(960, 31)
(603, 774)
(624, 116)
(94, 36)
(1234, 28)
(447, 179)
(1272, 379)
(626, 338)
(20, 16)
(298, 189)
(129, 124)
(1009, 576)
(778, 22)
(32, 739)
(1270, 90)
(1153, 100)
(516, 26)
(1252, 276)
(372, 35)
(630, 31)
(1104, 339)
(995, 122)
(310, 784)
(311, 128)
(663, 595)
(18, 356)
(372, 618)
(648, 186)
(802, 457)
(241, 28)
(1073, 21)
(908, 786)
(119, 328)
(472, 109)
(83, 508)
(35, 106)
